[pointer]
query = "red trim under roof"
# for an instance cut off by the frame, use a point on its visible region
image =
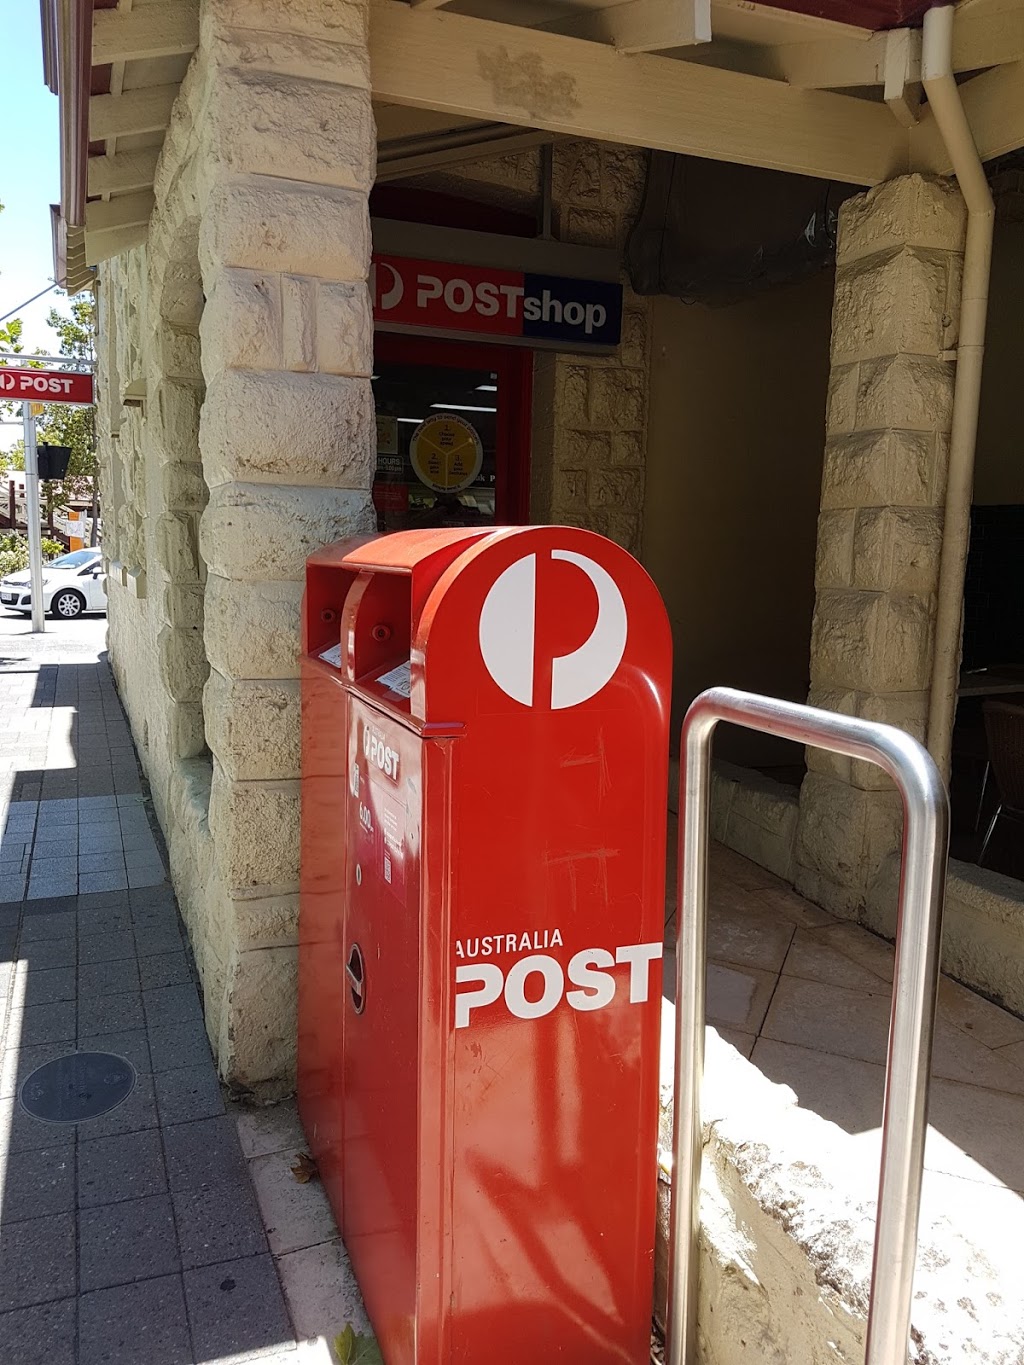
(873, 14)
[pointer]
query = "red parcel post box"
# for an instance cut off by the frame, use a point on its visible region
(485, 750)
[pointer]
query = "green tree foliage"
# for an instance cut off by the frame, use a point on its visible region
(61, 425)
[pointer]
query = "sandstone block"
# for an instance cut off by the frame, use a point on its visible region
(183, 666)
(252, 629)
(903, 649)
(838, 829)
(623, 527)
(255, 827)
(179, 354)
(183, 605)
(897, 549)
(289, 428)
(622, 489)
(907, 711)
(889, 303)
(833, 565)
(344, 329)
(618, 399)
(572, 395)
(176, 408)
(576, 172)
(627, 449)
(294, 228)
(298, 322)
(883, 468)
(177, 549)
(905, 391)
(264, 124)
(294, 55)
(252, 726)
(871, 642)
(257, 531)
(590, 227)
(841, 401)
(633, 346)
(843, 702)
(623, 178)
(570, 490)
(912, 210)
(843, 639)
(332, 20)
(186, 732)
(241, 327)
(583, 449)
(258, 1026)
(267, 922)
(184, 488)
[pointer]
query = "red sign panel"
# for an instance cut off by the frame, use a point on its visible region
(508, 305)
(46, 386)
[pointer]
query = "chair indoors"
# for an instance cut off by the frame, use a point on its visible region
(1004, 726)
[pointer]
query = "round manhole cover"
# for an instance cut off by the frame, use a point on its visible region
(82, 1085)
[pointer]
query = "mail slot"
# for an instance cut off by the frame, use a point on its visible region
(485, 752)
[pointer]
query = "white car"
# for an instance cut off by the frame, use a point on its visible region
(72, 584)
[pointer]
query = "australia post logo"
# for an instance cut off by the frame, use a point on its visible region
(535, 310)
(535, 983)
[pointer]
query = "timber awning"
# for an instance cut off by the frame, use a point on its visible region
(827, 88)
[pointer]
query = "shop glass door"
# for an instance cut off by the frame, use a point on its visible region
(453, 425)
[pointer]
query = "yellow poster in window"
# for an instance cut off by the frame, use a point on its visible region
(446, 453)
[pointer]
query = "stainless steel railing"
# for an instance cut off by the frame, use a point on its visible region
(912, 1021)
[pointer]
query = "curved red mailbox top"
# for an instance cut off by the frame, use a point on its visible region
(544, 618)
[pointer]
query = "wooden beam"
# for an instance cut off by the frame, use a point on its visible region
(641, 25)
(128, 210)
(989, 33)
(123, 171)
(136, 111)
(166, 28)
(902, 90)
(503, 74)
(100, 246)
(994, 105)
(833, 64)
(399, 164)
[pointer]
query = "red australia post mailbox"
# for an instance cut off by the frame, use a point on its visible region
(485, 751)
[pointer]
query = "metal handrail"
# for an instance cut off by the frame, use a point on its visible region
(912, 1020)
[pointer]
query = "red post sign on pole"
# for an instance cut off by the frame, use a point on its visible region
(46, 386)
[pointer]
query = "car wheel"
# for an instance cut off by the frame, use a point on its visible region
(67, 604)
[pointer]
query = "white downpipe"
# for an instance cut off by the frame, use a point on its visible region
(944, 101)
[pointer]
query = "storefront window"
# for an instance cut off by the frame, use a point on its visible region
(453, 433)
(436, 446)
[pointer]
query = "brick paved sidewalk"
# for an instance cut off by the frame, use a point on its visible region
(133, 1238)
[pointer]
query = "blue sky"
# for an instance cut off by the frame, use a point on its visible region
(29, 171)
(29, 178)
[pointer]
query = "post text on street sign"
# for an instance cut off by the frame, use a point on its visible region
(50, 386)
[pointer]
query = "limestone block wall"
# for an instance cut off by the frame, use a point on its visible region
(888, 417)
(251, 328)
(589, 412)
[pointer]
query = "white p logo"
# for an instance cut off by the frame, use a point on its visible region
(508, 624)
(391, 296)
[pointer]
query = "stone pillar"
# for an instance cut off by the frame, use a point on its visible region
(286, 160)
(894, 332)
(590, 412)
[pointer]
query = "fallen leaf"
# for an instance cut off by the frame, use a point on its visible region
(304, 1169)
(353, 1348)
